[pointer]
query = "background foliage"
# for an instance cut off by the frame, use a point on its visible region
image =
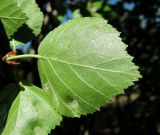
(137, 112)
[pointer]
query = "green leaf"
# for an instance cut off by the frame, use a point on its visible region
(94, 14)
(158, 127)
(11, 16)
(31, 114)
(7, 95)
(96, 5)
(85, 64)
(107, 8)
(18, 43)
(35, 16)
(77, 13)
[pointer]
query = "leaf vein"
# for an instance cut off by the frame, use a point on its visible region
(74, 71)
(68, 86)
(87, 66)
(108, 82)
(56, 92)
(42, 101)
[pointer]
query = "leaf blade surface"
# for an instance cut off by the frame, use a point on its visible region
(85, 64)
(32, 11)
(31, 113)
(11, 16)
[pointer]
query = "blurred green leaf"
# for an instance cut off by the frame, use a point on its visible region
(96, 4)
(76, 13)
(7, 95)
(18, 43)
(106, 8)
(158, 127)
(96, 15)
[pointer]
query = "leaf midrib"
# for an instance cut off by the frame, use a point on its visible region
(15, 18)
(89, 67)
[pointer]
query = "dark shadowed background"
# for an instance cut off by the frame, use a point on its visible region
(135, 113)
